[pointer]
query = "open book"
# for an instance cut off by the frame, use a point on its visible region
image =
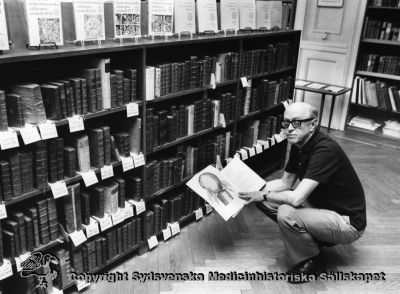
(220, 188)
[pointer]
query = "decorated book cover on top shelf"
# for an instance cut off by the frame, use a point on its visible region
(229, 14)
(127, 18)
(44, 22)
(89, 20)
(247, 14)
(161, 17)
(185, 16)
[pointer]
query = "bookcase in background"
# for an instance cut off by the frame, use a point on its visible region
(266, 61)
(375, 100)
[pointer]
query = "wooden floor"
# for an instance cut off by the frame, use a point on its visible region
(251, 242)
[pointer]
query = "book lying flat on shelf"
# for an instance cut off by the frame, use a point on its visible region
(127, 18)
(247, 14)
(44, 22)
(185, 16)
(160, 17)
(207, 16)
(89, 20)
(3, 28)
(229, 14)
(220, 188)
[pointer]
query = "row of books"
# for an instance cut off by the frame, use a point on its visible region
(194, 73)
(381, 64)
(384, 3)
(376, 94)
(168, 211)
(382, 30)
(23, 169)
(96, 252)
(166, 172)
(274, 57)
(264, 94)
(24, 231)
(262, 129)
(136, 18)
(94, 91)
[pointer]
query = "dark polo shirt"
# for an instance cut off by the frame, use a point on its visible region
(321, 159)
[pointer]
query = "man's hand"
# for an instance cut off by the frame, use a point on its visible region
(250, 197)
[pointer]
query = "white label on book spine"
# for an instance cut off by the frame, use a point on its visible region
(244, 154)
(48, 130)
(278, 138)
(153, 242)
(81, 284)
(78, 237)
(89, 178)
(237, 155)
(199, 214)
(3, 211)
(127, 163)
(59, 189)
(259, 148)
(175, 228)
(76, 123)
(139, 205)
(166, 234)
(128, 210)
(252, 152)
(138, 159)
(222, 120)
(244, 82)
(8, 140)
(118, 217)
(92, 229)
(209, 208)
(213, 82)
(132, 109)
(6, 269)
(105, 222)
(29, 134)
(106, 172)
(272, 141)
(19, 260)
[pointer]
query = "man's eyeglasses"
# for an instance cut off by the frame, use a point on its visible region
(295, 123)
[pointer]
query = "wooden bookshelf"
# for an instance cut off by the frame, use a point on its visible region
(380, 42)
(143, 51)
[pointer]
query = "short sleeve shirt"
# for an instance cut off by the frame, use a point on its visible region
(321, 159)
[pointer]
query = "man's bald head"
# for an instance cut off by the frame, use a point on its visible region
(300, 110)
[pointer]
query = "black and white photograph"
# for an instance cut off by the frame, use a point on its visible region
(199, 147)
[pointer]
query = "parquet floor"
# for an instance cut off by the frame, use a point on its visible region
(251, 241)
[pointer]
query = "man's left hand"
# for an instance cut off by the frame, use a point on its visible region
(256, 196)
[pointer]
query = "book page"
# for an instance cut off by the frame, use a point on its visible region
(89, 20)
(242, 176)
(247, 14)
(185, 16)
(161, 17)
(3, 28)
(218, 191)
(229, 14)
(44, 22)
(207, 16)
(127, 18)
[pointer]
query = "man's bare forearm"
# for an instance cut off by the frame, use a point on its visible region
(277, 185)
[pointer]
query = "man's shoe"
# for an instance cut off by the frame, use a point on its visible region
(302, 272)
